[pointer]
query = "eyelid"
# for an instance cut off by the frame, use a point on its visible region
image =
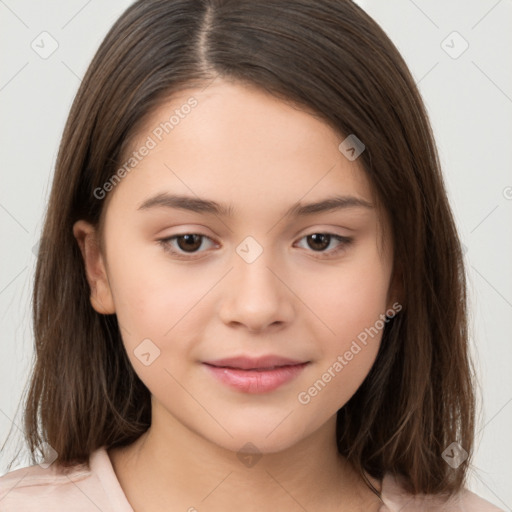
(344, 242)
(166, 244)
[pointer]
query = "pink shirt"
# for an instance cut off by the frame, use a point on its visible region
(95, 488)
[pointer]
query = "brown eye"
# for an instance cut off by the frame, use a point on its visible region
(319, 241)
(189, 243)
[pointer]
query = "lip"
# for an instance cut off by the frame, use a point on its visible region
(255, 375)
(254, 363)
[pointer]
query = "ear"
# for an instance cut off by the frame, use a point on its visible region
(95, 268)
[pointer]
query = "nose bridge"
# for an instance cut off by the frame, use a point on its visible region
(252, 274)
(256, 297)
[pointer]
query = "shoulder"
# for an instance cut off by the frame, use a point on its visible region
(54, 488)
(396, 499)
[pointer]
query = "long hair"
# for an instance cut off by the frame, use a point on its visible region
(331, 58)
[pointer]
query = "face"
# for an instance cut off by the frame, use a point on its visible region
(249, 317)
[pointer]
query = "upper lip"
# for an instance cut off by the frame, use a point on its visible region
(252, 363)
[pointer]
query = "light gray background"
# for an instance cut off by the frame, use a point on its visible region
(469, 99)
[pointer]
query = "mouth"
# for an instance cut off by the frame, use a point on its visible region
(269, 362)
(255, 375)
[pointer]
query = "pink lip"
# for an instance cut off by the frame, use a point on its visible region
(255, 375)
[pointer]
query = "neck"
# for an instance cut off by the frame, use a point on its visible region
(174, 465)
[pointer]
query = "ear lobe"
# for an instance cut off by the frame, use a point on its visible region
(95, 268)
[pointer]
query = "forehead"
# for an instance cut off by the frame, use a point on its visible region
(239, 146)
(237, 121)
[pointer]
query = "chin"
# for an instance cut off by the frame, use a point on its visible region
(252, 437)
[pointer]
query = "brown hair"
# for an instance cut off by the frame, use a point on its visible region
(331, 58)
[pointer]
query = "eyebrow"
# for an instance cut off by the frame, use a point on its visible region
(198, 205)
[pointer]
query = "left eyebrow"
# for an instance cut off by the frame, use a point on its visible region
(198, 205)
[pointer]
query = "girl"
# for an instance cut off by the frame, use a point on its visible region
(250, 290)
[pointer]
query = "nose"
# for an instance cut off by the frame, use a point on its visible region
(255, 296)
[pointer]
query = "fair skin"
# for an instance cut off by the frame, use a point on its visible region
(243, 148)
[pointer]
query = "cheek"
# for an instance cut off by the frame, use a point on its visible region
(144, 287)
(349, 300)
(351, 306)
(349, 297)
(336, 382)
(160, 302)
(158, 316)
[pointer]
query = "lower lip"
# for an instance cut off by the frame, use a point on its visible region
(256, 381)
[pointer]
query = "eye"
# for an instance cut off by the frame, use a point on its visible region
(188, 244)
(320, 241)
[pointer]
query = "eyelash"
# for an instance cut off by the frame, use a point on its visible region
(166, 244)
